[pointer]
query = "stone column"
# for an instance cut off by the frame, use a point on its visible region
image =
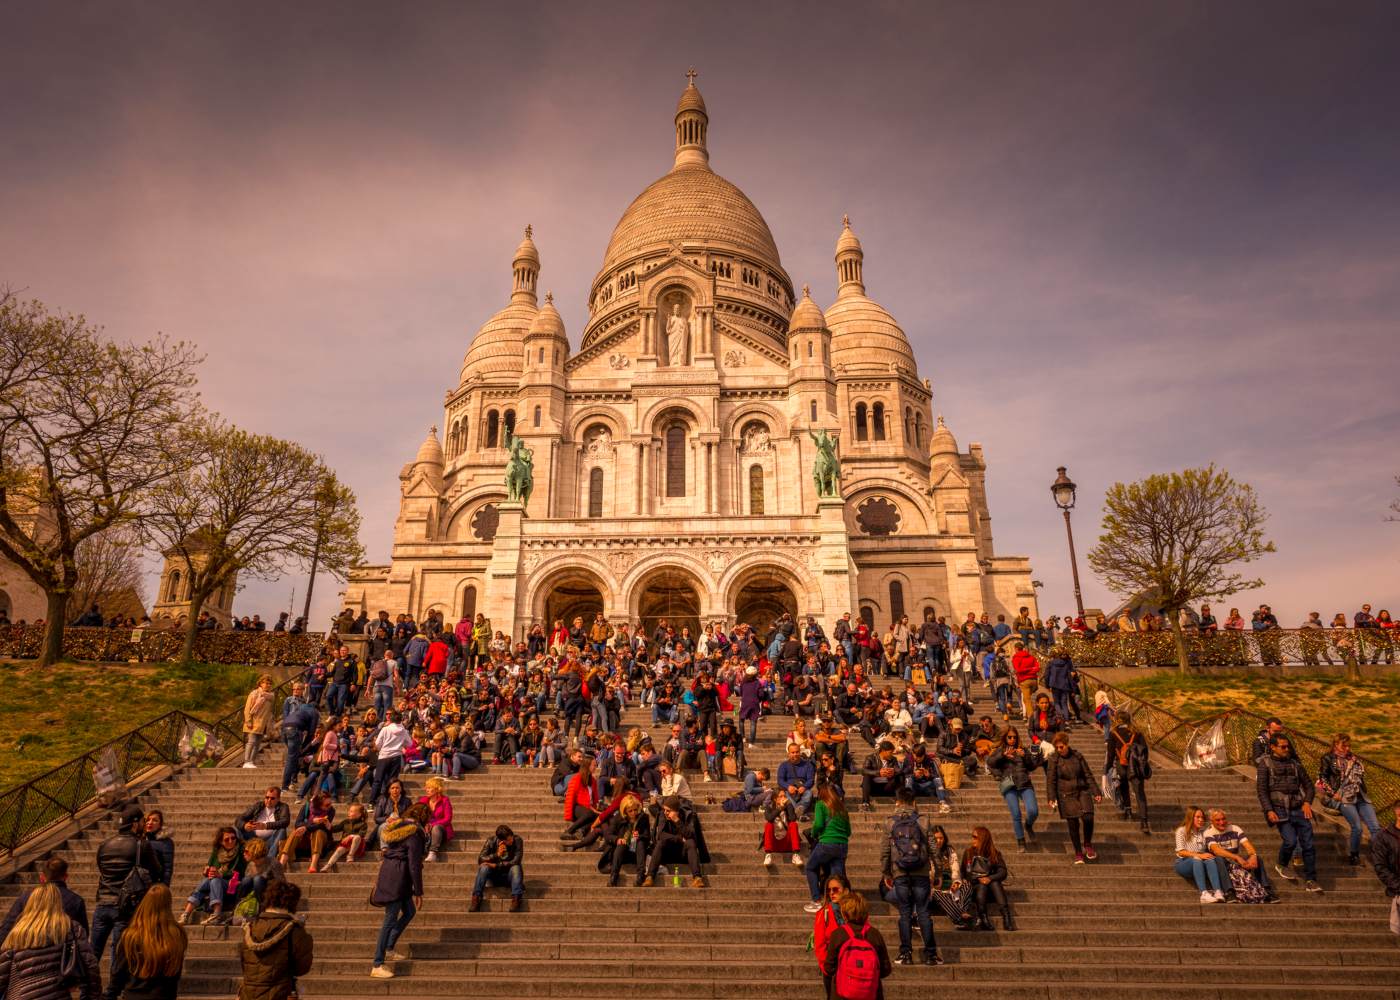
(503, 571)
(836, 571)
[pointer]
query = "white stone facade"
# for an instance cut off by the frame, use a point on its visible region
(672, 456)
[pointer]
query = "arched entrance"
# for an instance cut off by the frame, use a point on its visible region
(669, 595)
(572, 594)
(763, 598)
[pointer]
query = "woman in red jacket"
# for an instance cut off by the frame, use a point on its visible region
(1027, 669)
(581, 799)
(826, 920)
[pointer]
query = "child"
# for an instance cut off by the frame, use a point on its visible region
(350, 834)
(780, 830)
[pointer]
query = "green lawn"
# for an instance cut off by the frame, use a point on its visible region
(53, 715)
(1313, 704)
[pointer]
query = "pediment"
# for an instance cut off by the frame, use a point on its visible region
(946, 477)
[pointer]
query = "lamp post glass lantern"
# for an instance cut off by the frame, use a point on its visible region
(1063, 490)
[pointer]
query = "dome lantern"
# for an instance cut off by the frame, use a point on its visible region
(692, 123)
(525, 269)
(850, 270)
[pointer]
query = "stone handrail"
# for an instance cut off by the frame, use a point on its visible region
(157, 645)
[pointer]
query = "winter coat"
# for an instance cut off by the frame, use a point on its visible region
(619, 828)
(34, 973)
(260, 713)
(1058, 674)
(578, 795)
(1129, 750)
(1070, 782)
(116, 858)
(73, 905)
(441, 815)
(1282, 785)
(401, 870)
(276, 949)
(1385, 857)
(1018, 769)
(1025, 664)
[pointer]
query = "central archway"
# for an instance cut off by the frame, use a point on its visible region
(670, 595)
(571, 592)
(762, 600)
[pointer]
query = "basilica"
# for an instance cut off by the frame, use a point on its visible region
(670, 458)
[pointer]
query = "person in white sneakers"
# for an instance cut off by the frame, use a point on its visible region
(1194, 861)
(259, 719)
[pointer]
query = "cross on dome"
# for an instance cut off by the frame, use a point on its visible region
(690, 76)
(549, 297)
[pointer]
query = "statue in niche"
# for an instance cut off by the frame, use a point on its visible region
(677, 337)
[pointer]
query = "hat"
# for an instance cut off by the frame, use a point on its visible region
(132, 814)
(752, 671)
(956, 723)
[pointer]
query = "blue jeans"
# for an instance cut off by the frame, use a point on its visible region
(105, 923)
(337, 696)
(1014, 800)
(292, 739)
(1356, 814)
(210, 891)
(825, 861)
(397, 916)
(383, 699)
(1206, 874)
(485, 874)
(910, 895)
(923, 788)
(663, 713)
(1296, 831)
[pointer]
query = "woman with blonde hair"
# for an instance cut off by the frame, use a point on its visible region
(31, 956)
(151, 954)
(259, 722)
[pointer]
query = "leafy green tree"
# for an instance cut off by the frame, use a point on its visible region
(250, 505)
(1181, 536)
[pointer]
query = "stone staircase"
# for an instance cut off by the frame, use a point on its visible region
(1127, 922)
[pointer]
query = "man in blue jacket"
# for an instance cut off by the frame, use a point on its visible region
(798, 778)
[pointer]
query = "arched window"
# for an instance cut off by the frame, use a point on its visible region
(537, 416)
(919, 429)
(877, 421)
(930, 613)
(896, 600)
(675, 460)
(862, 431)
(809, 348)
(493, 429)
(755, 489)
(908, 425)
(867, 615)
(173, 591)
(541, 355)
(509, 427)
(469, 602)
(814, 411)
(595, 492)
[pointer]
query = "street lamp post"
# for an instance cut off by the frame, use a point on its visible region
(1063, 490)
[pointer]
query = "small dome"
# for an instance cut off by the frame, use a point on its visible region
(527, 251)
(691, 100)
(431, 451)
(862, 331)
(942, 443)
(807, 315)
(498, 345)
(847, 241)
(547, 322)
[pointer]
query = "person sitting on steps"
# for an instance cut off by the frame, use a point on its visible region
(677, 833)
(501, 862)
(985, 870)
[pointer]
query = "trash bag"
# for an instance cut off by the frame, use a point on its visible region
(108, 780)
(198, 744)
(1206, 748)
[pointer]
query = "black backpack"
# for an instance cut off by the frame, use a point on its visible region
(134, 887)
(908, 844)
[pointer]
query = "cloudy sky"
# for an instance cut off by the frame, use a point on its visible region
(1122, 237)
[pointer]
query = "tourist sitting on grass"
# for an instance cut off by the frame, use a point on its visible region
(1194, 860)
(313, 831)
(1249, 882)
(225, 866)
(501, 862)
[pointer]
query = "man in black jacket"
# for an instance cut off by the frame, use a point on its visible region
(1285, 794)
(116, 858)
(881, 774)
(499, 863)
(1385, 856)
(55, 873)
(267, 820)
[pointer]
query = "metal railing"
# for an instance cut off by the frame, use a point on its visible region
(1239, 727)
(159, 645)
(32, 809)
(1231, 648)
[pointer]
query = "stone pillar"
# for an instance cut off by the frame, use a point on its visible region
(503, 571)
(836, 571)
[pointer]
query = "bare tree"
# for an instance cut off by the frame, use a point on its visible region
(87, 428)
(251, 505)
(1180, 536)
(109, 572)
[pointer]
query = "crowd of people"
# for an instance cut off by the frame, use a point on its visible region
(863, 719)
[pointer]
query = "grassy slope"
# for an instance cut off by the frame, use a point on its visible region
(51, 716)
(1319, 706)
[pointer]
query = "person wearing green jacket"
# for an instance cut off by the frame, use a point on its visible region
(831, 835)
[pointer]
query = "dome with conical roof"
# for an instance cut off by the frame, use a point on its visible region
(547, 321)
(430, 452)
(807, 315)
(862, 331)
(942, 443)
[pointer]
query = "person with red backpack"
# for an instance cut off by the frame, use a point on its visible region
(856, 954)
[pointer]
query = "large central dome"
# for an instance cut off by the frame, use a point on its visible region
(691, 204)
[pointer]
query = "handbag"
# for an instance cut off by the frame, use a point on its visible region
(978, 867)
(70, 963)
(1007, 784)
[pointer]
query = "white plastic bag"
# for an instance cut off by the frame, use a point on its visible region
(1206, 748)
